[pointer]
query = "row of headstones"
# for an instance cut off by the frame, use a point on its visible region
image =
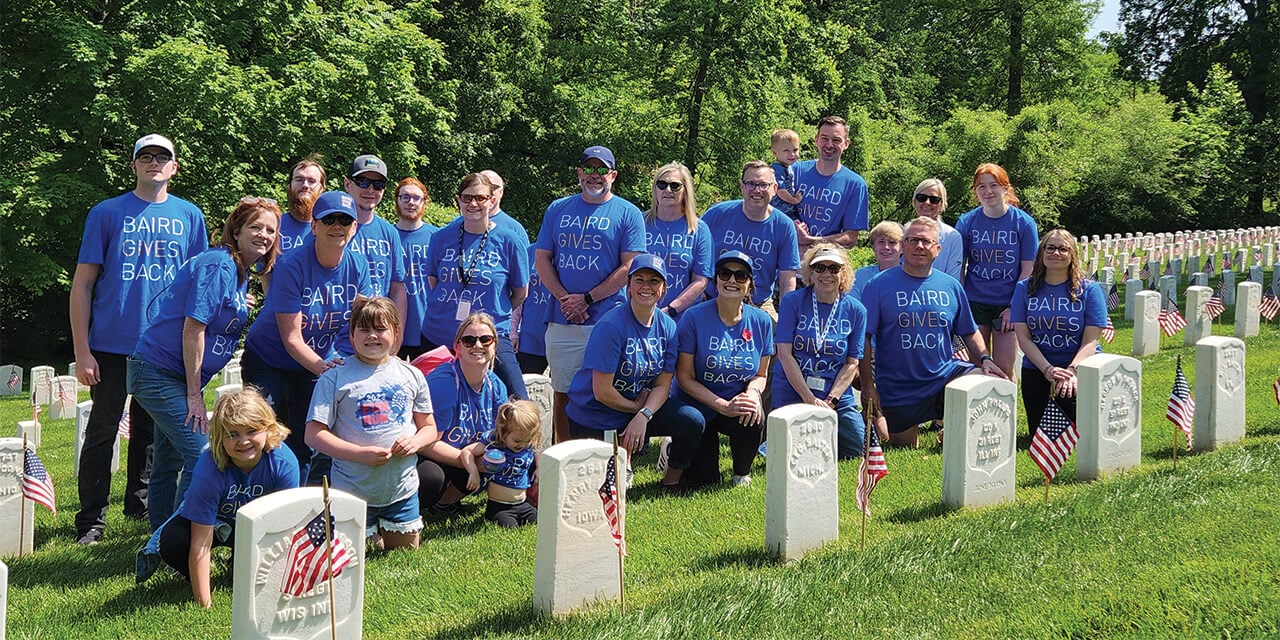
(1146, 307)
(1262, 257)
(1181, 242)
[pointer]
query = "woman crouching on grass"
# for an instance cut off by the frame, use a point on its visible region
(244, 461)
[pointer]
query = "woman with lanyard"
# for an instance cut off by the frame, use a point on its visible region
(474, 266)
(725, 348)
(625, 381)
(819, 342)
(1057, 315)
(302, 330)
(465, 396)
(198, 322)
(674, 233)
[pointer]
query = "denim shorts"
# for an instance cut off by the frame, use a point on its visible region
(398, 517)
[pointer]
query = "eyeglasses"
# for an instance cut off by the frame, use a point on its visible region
(468, 198)
(662, 185)
(252, 201)
(408, 199)
(340, 219)
(737, 275)
(148, 158)
(923, 198)
(599, 170)
(918, 241)
(470, 341)
(365, 183)
(825, 268)
(1049, 248)
(756, 186)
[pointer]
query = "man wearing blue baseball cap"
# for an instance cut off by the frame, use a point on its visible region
(583, 252)
(132, 247)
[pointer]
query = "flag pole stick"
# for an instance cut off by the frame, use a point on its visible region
(22, 504)
(869, 419)
(328, 552)
(1175, 432)
(622, 589)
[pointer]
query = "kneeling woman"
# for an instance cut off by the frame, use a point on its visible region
(244, 461)
(625, 379)
(725, 348)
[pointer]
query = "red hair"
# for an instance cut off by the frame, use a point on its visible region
(1001, 177)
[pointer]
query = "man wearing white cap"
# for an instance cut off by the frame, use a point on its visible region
(376, 239)
(132, 247)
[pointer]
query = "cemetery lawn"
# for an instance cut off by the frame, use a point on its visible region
(1149, 553)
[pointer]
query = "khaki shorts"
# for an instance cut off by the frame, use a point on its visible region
(566, 347)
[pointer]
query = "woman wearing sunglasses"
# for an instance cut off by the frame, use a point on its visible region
(195, 326)
(465, 396)
(930, 200)
(676, 235)
(725, 348)
(302, 330)
(819, 342)
(475, 265)
(1057, 315)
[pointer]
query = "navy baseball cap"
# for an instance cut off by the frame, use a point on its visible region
(334, 202)
(650, 262)
(603, 154)
(735, 256)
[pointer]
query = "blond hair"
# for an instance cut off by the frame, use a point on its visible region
(783, 135)
(242, 411)
(519, 417)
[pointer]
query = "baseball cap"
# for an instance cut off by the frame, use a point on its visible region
(153, 140)
(834, 256)
(603, 154)
(735, 256)
(650, 262)
(334, 202)
(368, 163)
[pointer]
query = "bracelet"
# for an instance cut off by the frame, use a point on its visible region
(985, 357)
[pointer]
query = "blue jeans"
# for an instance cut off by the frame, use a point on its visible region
(289, 394)
(175, 448)
(851, 429)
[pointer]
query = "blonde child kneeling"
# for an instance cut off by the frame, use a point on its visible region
(371, 415)
(508, 457)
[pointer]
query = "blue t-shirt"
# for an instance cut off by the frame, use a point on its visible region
(950, 258)
(505, 221)
(771, 243)
(208, 290)
(514, 472)
(1057, 322)
(476, 269)
(724, 357)
(995, 249)
(586, 242)
(633, 353)
(685, 254)
(911, 321)
(462, 414)
(832, 204)
(414, 244)
(842, 327)
(861, 277)
(292, 233)
(300, 284)
(785, 176)
(533, 318)
(217, 494)
(139, 246)
(379, 243)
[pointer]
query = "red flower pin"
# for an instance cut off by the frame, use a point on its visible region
(746, 334)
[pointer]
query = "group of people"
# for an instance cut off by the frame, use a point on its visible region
(657, 323)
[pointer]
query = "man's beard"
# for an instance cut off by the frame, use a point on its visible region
(300, 204)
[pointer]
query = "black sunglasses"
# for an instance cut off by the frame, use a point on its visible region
(338, 219)
(470, 341)
(737, 275)
(922, 198)
(365, 183)
(661, 185)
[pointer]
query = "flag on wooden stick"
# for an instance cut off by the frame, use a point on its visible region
(1182, 407)
(1170, 320)
(1055, 438)
(36, 484)
(609, 496)
(308, 564)
(872, 468)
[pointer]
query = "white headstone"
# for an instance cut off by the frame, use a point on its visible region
(12, 503)
(978, 452)
(1175, 269)
(1198, 323)
(540, 392)
(1169, 288)
(1146, 329)
(4, 599)
(11, 380)
(265, 530)
(1248, 297)
(42, 383)
(83, 410)
(226, 390)
(576, 562)
(71, 371)
(1106, 277)
(1132, 287)
(1220, 371)
(1255, 274)
(1108, 415)
(66, 393)
(1229, 291)
(1198, 279)
(1268, 255)
(231, 374)
(30, 429)
(802, 496)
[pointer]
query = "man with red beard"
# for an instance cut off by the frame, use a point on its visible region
(306, 183)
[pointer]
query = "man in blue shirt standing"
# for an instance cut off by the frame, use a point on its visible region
(835, 201)
(376, 239)
(132, 247)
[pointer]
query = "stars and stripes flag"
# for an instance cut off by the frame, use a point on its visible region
(1213, 307)
(35, 408)
(1208, 265)
(1276, 387)
(872, 468)
(1226, 262)
(1113, 298)
(308, 564)
(1168, 268)
(1055, 438)
(14, 380)
(36, 484)
(1257, 255)
(124, 428)
(1270, 304)
(612, 512)
(1109, 331)
(1170, 319)
(1145, 272)
(959, 348)
(1182, 407)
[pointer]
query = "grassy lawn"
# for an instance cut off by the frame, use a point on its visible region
(1149, 553)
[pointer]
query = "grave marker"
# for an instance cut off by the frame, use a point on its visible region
(14, 541)
(1220, 371)
(66, 391)
(540, 392)
(1108, 415)
(226, 390)
(978, 452)
(11, 380)
(1248, 298)
(1146, 329)
(802, 496)
(1199, 325)
(1229, 291)
(1198, 279)
(42, 384)
(4, 598)
(1132, 287)
(1169, 288)
(231, 373)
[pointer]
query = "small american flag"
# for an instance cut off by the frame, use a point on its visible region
(1113, 298)
(36, 485)
(1168, 268)
(1276, 387)
(609, 496)
(1054, 440)
(1145, 273)
(1109, 331)
(1170, 320)
(1208, 265)
(960, 350)
(1257, 255)
(1214, 307)
(1226, 262)
(124, 429)
(14, 380)
(872, 468)
(1270, 304)
(308, 564)
(1182, 407)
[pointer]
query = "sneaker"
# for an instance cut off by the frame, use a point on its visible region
(741, 481)
(92, 536)
(664, 451)
(145, 565)
(447, 510)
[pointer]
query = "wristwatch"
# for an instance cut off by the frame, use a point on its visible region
(644, 411)
(985, 357)
(586, 297)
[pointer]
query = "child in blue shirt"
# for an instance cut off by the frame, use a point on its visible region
(785, 146)
(508, 458)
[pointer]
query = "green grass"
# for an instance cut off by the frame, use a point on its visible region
(1150, 553)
